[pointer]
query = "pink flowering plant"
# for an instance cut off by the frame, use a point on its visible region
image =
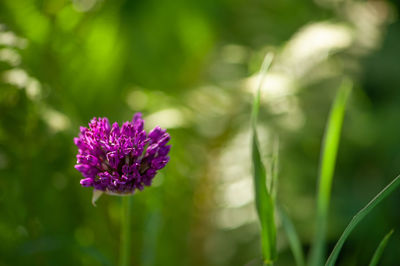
(119, 161)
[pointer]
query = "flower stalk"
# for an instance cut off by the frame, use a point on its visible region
(125, 230)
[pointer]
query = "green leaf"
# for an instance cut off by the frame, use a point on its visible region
(96, 195)
(379, 251)
(326, 170)
(263, 199)
(294, 241)
(360, 216)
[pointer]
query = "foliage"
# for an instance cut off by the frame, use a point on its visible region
(190, 66)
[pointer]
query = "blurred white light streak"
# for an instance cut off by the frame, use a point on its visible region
(234, 197)
(167, 118)
(231, 218)
(33, 89)
(56, 120)
(137, 99)
(17, 77)
(275, 85)
(8, 38)
(312, 45)
(10, 56)
(237, 194)
(84, 5)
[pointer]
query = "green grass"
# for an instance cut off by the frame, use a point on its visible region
(265, 192)
(293, 238)
(379, 251)
(263, 196)
(360, 216)
(326, 170)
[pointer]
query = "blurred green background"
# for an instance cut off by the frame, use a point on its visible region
(191, 66)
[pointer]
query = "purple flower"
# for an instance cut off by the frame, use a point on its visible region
(119, 160)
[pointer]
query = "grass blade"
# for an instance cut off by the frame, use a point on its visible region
(294, 241)
(256, 104)
(359, 217)
(263, 198)
(379, 251)
(326, 170)
(274, 168)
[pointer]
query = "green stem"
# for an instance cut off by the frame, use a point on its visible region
(125, 230)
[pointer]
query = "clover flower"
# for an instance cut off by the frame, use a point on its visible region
(119, 160)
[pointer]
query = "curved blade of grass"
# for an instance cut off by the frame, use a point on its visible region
(326, 170)
(294, 241)
(263, 199)
(274, 168)
(360, 216)
(379, 251)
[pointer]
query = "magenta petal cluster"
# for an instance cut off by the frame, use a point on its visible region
(119, 160)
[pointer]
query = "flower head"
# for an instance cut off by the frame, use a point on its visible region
(119, 160)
